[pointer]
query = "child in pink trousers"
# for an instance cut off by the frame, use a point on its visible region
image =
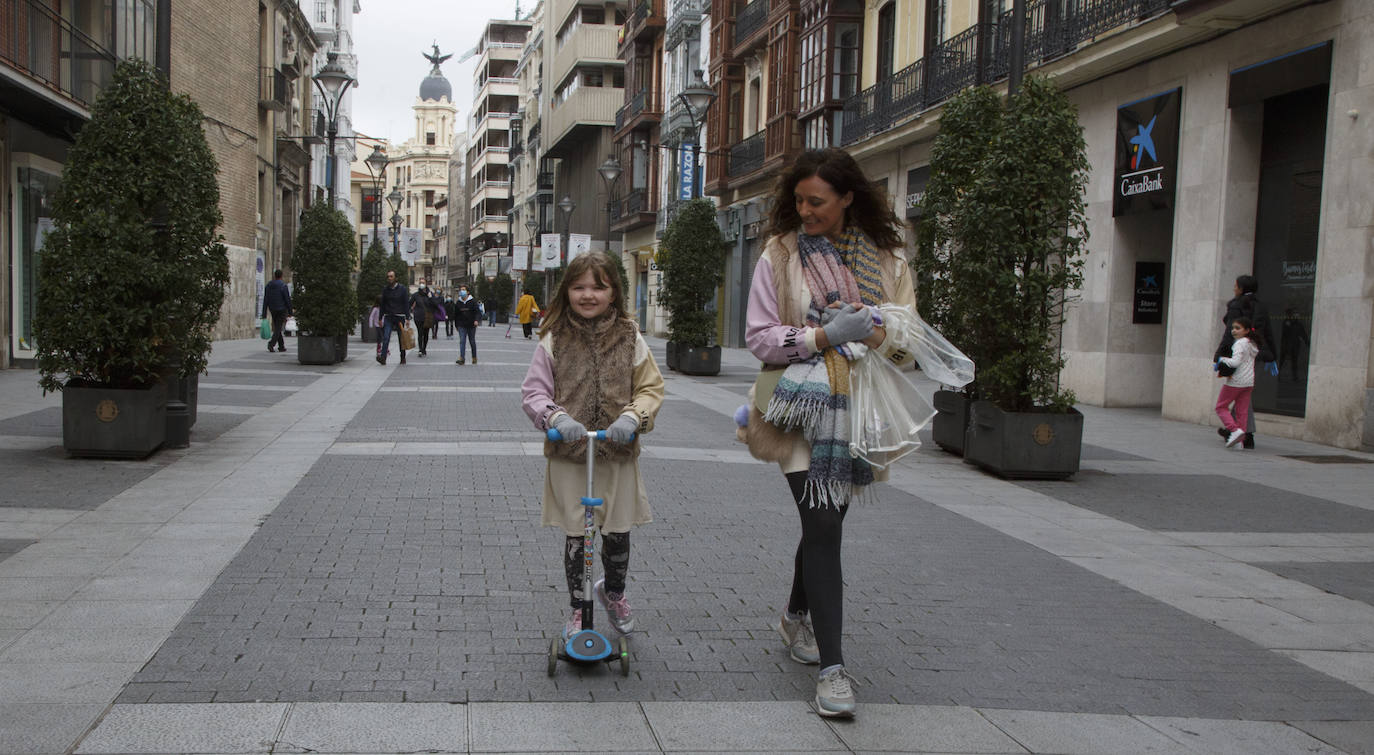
(1233, 403)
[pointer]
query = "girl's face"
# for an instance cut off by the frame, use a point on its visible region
(820, 208)
(1239, 331)
(588, 298)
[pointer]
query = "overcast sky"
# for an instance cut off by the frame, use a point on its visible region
(390, 38)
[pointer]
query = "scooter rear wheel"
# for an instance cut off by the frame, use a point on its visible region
(554, 649)
(624, 648)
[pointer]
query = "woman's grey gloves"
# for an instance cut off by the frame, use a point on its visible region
(569, 428)
(848, 324)
(622, 430)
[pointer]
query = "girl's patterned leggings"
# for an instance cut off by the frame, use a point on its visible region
(615, 561)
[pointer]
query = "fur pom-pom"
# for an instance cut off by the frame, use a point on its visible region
(742, 415)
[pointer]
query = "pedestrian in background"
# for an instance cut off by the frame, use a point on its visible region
(592, 369)
(834, 253)
(449, 312)
(1246, 304)
(276, 301)
(395, 313)
(526, 310)
(490, 306)
(468, 314)
(422, 309)
(440, 313)
(374, 319)
(1240, 383)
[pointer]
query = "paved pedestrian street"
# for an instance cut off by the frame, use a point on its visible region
(348, 559)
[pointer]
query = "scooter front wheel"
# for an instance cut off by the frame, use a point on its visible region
(624, 647)
(554, 650)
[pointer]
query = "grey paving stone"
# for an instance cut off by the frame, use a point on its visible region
(1354, 580)
(1203, 503)
(1041, 731)
(926, 728)
(375, 727)
(136, 729)
(565, 727)
(1354, 737)
(790, 726)
(43, 728)
(85, 483)
(11, 546)
(1238, 737)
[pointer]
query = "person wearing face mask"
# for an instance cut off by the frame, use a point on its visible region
(450, 311)
(468, 313)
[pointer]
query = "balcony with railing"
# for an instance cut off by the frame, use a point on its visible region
(636, 209)
(273, 93)
(53, 51)
(645, 20)
(585, 110)
(684, 21)
(643, 109)
(747, 156)
(749, 30)
(982, 54)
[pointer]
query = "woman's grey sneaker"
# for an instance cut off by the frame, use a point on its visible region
(835, 694)
(617, 608)
(799, 639)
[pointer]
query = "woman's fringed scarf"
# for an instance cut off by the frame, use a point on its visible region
(813, 396)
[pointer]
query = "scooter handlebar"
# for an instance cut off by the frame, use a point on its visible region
(556, 437)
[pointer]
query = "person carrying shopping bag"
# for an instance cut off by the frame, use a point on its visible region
(831, 259)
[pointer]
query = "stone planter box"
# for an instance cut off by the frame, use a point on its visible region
(114, 423)
(951, 421)
(698, 360)
(1024, 445)
(317, 349)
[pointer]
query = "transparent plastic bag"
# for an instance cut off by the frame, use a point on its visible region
(886, 410)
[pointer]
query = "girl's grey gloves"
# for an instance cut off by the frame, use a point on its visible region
(848, 324)
(569, 428)
(622, 430)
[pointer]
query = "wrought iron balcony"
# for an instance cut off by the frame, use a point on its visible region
(41, 43)
(272, 90)
(1052, 30)
(643, 103)
(747, 156)
(749, 21)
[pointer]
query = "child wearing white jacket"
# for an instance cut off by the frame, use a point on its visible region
(1233, 403)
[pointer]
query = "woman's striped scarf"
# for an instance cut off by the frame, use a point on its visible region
(813, 396)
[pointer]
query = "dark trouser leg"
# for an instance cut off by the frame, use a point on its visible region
(423, 333)
(278, 323)
(527, 327)
(467, 336)
(572, 568)
(615, 560)
(817, 578)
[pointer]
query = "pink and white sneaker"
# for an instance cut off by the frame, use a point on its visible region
(617, 608)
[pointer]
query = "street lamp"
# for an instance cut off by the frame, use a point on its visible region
(567, 205)
(394, 198)
(610, 171)
(697, 99)
(333, 82)
(376, 167)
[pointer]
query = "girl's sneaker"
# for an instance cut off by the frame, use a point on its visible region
(800, 639)
(573, 625)
(1235, 437)
(835, 694)
(617, 608)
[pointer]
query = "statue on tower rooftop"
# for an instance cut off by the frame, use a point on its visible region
(436, 58)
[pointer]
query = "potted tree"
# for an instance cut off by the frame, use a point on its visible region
(371, 279)
(967, 125)
(321, 266)
(133, 274)
(1020, 232)
(694, 268)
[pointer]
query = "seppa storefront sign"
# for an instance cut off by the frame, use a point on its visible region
(1146, 153)
(916, 180)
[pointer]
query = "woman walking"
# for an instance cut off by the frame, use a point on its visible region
(833, 255)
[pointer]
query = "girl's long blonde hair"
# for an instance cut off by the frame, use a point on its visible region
(604, 272)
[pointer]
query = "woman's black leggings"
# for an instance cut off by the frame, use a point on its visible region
(817, 579)
(615, 560)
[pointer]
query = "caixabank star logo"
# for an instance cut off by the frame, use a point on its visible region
(1147, 150)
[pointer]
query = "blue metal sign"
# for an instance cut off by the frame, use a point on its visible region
(687, 173)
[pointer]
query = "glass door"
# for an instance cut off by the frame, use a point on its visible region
(35, 189)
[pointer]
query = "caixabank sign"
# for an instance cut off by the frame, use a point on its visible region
(1146, 153)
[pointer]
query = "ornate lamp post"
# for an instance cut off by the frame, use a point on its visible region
(697, 99)
(394, 198)
(333, 82)
(610, 173)
(567, 205)
(376, 167)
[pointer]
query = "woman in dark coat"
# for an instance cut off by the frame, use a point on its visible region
(1246, 304)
